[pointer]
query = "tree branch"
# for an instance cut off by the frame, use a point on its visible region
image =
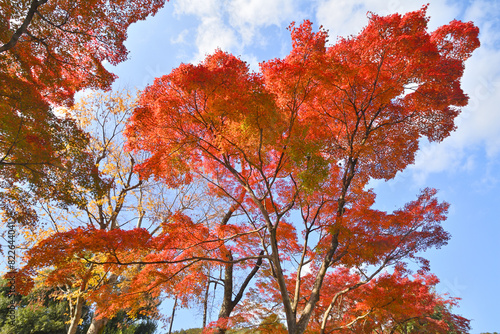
(248, 279)
(24, 27)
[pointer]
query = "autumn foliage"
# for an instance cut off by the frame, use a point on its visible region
(48, 51)
(305, 135)
(57, 47)
(287, 154)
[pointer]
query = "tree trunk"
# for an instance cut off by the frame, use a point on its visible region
(97, 326)
(227, 300)
(76, 315)
(228, 303)
(173, 315)
(205, 305)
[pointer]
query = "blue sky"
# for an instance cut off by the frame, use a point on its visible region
(465, 167)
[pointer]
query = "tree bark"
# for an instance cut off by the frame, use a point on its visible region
(24, 27)
(97, 326)
(227, 302)
(76, 315)
(173, 316)
(205, 305)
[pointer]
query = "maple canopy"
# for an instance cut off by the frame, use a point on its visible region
(59, 45)
(301, 139)
(49, 49)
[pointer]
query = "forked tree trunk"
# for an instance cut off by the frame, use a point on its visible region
(97, 326)
(228, 303)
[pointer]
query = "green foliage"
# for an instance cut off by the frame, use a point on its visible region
(40, 313)
(455, 323)
(36, 313)
(188, 331)
(199, 330)
(122, 324)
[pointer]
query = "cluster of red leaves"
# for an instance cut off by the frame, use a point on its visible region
(373, 236)
(369, 97)
(393, 300)
(70, 254)
(62, 49)
(172, 261)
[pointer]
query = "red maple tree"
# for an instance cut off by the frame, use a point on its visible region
(305, 135)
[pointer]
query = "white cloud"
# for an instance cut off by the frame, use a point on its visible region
(345, 17)
(199, 8)
(213, 34)
(248, 16)
(439, 157)
(481, 120)
(235, 25)
(252, 61)
(306, 270)
(260, 12)
(485, 12)
(341, 18)
(181, 38)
